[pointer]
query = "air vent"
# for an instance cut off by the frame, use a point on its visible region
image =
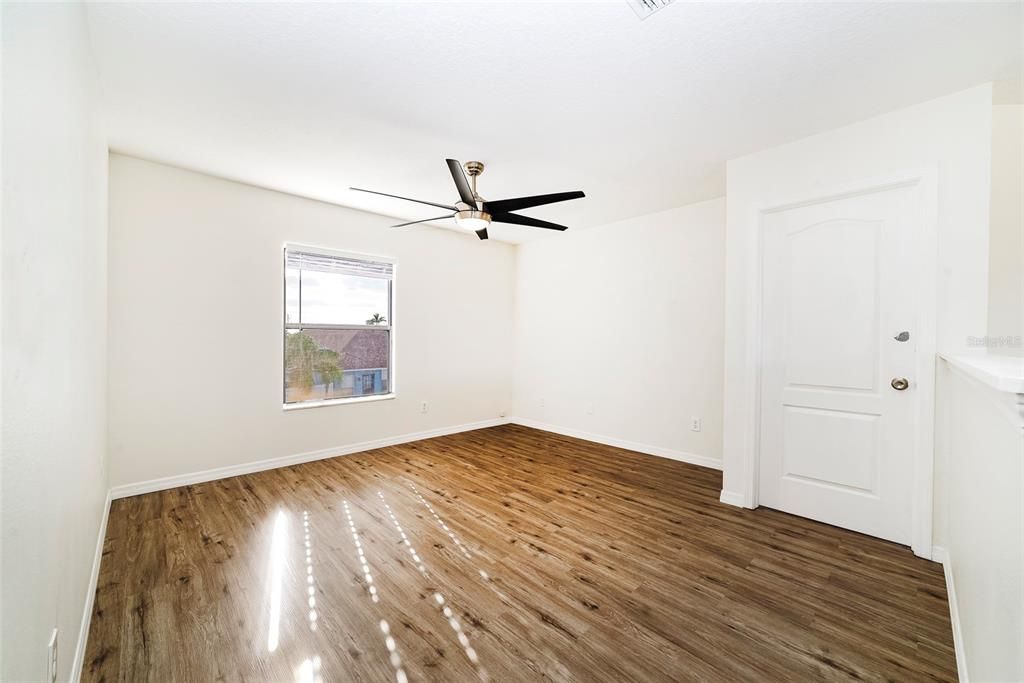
(645, 8)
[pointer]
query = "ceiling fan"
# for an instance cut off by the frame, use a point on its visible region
(473, 212)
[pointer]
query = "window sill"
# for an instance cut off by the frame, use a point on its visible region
(336, 402)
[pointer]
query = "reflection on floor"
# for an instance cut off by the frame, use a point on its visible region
(506, 554)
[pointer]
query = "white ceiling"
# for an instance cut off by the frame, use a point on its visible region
(312, 98)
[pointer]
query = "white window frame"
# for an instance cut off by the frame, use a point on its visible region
(285, 326)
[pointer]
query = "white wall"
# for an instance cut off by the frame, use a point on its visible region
(619, 331)
(54, 332)
(952, 136)
(1006, 249)
(196, 315)
(980, 523)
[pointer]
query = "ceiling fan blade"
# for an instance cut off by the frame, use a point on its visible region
(459, 176)
(482, 233)
(516, 219)
(395, 196)
(425, 220)
(503, 205)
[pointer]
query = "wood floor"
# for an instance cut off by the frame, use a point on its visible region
(506, 554)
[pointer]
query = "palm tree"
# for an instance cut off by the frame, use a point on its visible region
(306, 360)
(377, 319)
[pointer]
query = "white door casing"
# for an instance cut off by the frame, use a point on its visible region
(835, 441)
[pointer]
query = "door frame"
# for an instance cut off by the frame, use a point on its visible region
(923, 182)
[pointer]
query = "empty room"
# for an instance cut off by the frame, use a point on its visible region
(628, 340)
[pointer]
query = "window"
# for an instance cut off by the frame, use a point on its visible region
(338, 329)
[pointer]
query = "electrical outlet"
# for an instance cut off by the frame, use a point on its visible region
(695, 424)
(542, 404)
(423, 407)
(51, 658)
(590, 409)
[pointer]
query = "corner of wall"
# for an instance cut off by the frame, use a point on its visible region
(940, 555)
(78, 661)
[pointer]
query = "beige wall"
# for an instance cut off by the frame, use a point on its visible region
(1006, 248)
(619, 331)
(196, 316)
(53, 333)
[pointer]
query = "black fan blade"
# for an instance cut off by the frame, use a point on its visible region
(465, 191)
(395, 196)
(503, 205)
(482, 233)
(516, 219)
(425, 220)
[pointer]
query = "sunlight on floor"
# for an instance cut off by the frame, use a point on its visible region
(389, 640)
(449, 615)
(309, 671)
(278, 549)
(310, 580)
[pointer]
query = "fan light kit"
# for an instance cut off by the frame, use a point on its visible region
(473, 213)
(472, 220)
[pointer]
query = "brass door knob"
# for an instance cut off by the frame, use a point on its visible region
(899, 383)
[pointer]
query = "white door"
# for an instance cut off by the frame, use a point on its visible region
(837, 432)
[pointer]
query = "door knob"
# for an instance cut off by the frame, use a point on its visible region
(899, 383)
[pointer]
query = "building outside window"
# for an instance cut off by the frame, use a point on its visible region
(338, 326)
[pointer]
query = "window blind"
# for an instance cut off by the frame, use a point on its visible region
(338, 264)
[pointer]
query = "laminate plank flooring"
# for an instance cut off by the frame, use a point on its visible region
(504, 554)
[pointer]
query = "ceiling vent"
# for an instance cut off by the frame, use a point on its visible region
(645, 8)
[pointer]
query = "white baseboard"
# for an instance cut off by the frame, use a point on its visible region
(672, 454)
(175, 481)
(90, 596)
(941, 555)
(732, 498)
(164, 483)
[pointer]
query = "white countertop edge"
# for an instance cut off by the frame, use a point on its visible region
(1000, 372)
